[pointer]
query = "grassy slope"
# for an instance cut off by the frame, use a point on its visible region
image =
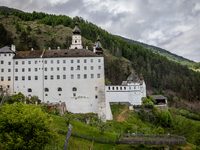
(111, 132)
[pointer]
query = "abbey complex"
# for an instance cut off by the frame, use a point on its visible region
(74, 76)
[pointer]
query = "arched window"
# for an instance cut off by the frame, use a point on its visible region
(74, 89)
(75, 47)
(29, 90)
(113, 88)
(75, 41)
(78, 67)
(108, 88)
(59, 89)
(46, 89)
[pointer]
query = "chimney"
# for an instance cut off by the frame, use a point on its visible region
(13, 47)
(87, 47)
(58, 48)
(49, 48)
(31, 49)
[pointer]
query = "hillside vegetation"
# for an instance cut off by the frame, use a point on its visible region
(170, 56)
(51, 30)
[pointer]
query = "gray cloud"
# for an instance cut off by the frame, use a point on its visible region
(172, 25)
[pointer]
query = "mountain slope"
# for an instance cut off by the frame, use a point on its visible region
(169, 55)
(9, 10)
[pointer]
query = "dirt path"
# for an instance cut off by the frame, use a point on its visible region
(123, 116)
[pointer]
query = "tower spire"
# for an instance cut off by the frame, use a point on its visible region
(99, 50)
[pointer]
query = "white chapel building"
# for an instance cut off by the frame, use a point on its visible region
(74, 76)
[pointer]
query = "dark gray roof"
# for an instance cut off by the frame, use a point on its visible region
(6, 49)
(55, 53)
(76, 29)
(158, 97)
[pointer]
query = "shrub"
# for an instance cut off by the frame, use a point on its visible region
(159, 130)
(165, 118)
(24, 127)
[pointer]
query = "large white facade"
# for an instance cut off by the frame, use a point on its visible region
(74, 76)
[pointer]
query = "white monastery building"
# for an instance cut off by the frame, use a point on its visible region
(74, 76)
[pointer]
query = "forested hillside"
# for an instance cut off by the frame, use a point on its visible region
(171, 56)
(158, 71)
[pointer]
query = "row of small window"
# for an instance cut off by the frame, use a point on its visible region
(2, 62)
(58, 61)
(9, 78)
(5, 54)
(119, 88)
(52, 77)
(72, 76)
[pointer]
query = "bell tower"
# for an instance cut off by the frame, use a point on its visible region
(76, 38)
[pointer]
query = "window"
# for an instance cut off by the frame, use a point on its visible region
(78, 76)
(91, 60)
(96, 96)
(116, 88)
(59, 89)
(74, 89)
(78, 61)
(45, 69)
(36, 77)
(124, 88)
(64, 76)
(74, 94)
(29, 77)
(78, 67)
(2, 78)
(1, 62)
(99, 67)
(36, 62)
(72, 68)
(29, 90)
(23, 69)
(8, 86)
(46, 94)
(58, 69)
(64, 68)
(120, 88)
(85, 68)
(129, 88)
(16, 70)
(85, 76)
(108, 88)
(58, 76)
(64, 61)
(51, 68)
(29, 62)
(16, 78)
(45, 61)
(29, 69)
(134, 87)
(45, 77)
(51, 77)
(23, 78)
(72, 76)
(23, 62)
(92, 75)
(4, 54)
(9, 54)
(36, 69)
(72, 61)
(58, 61)
(96, 88)
(113, 88)
(99, 60)
(91, 67)
(51, 61)
(9, 70)
(16, 63)
(46, 90)
(2, 70)
(9, 63)
(98, 75)
(85, 61)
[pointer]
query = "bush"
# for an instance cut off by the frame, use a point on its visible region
(24, 127)
(159, 130)
(165, 118)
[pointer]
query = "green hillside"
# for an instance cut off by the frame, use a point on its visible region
(170, 56)
(40, 30)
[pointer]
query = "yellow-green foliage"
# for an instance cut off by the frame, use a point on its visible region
(24, 127)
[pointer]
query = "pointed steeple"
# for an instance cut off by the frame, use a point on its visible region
(76, 29)
(98, 47)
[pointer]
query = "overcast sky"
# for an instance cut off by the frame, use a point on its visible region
(173, 25)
